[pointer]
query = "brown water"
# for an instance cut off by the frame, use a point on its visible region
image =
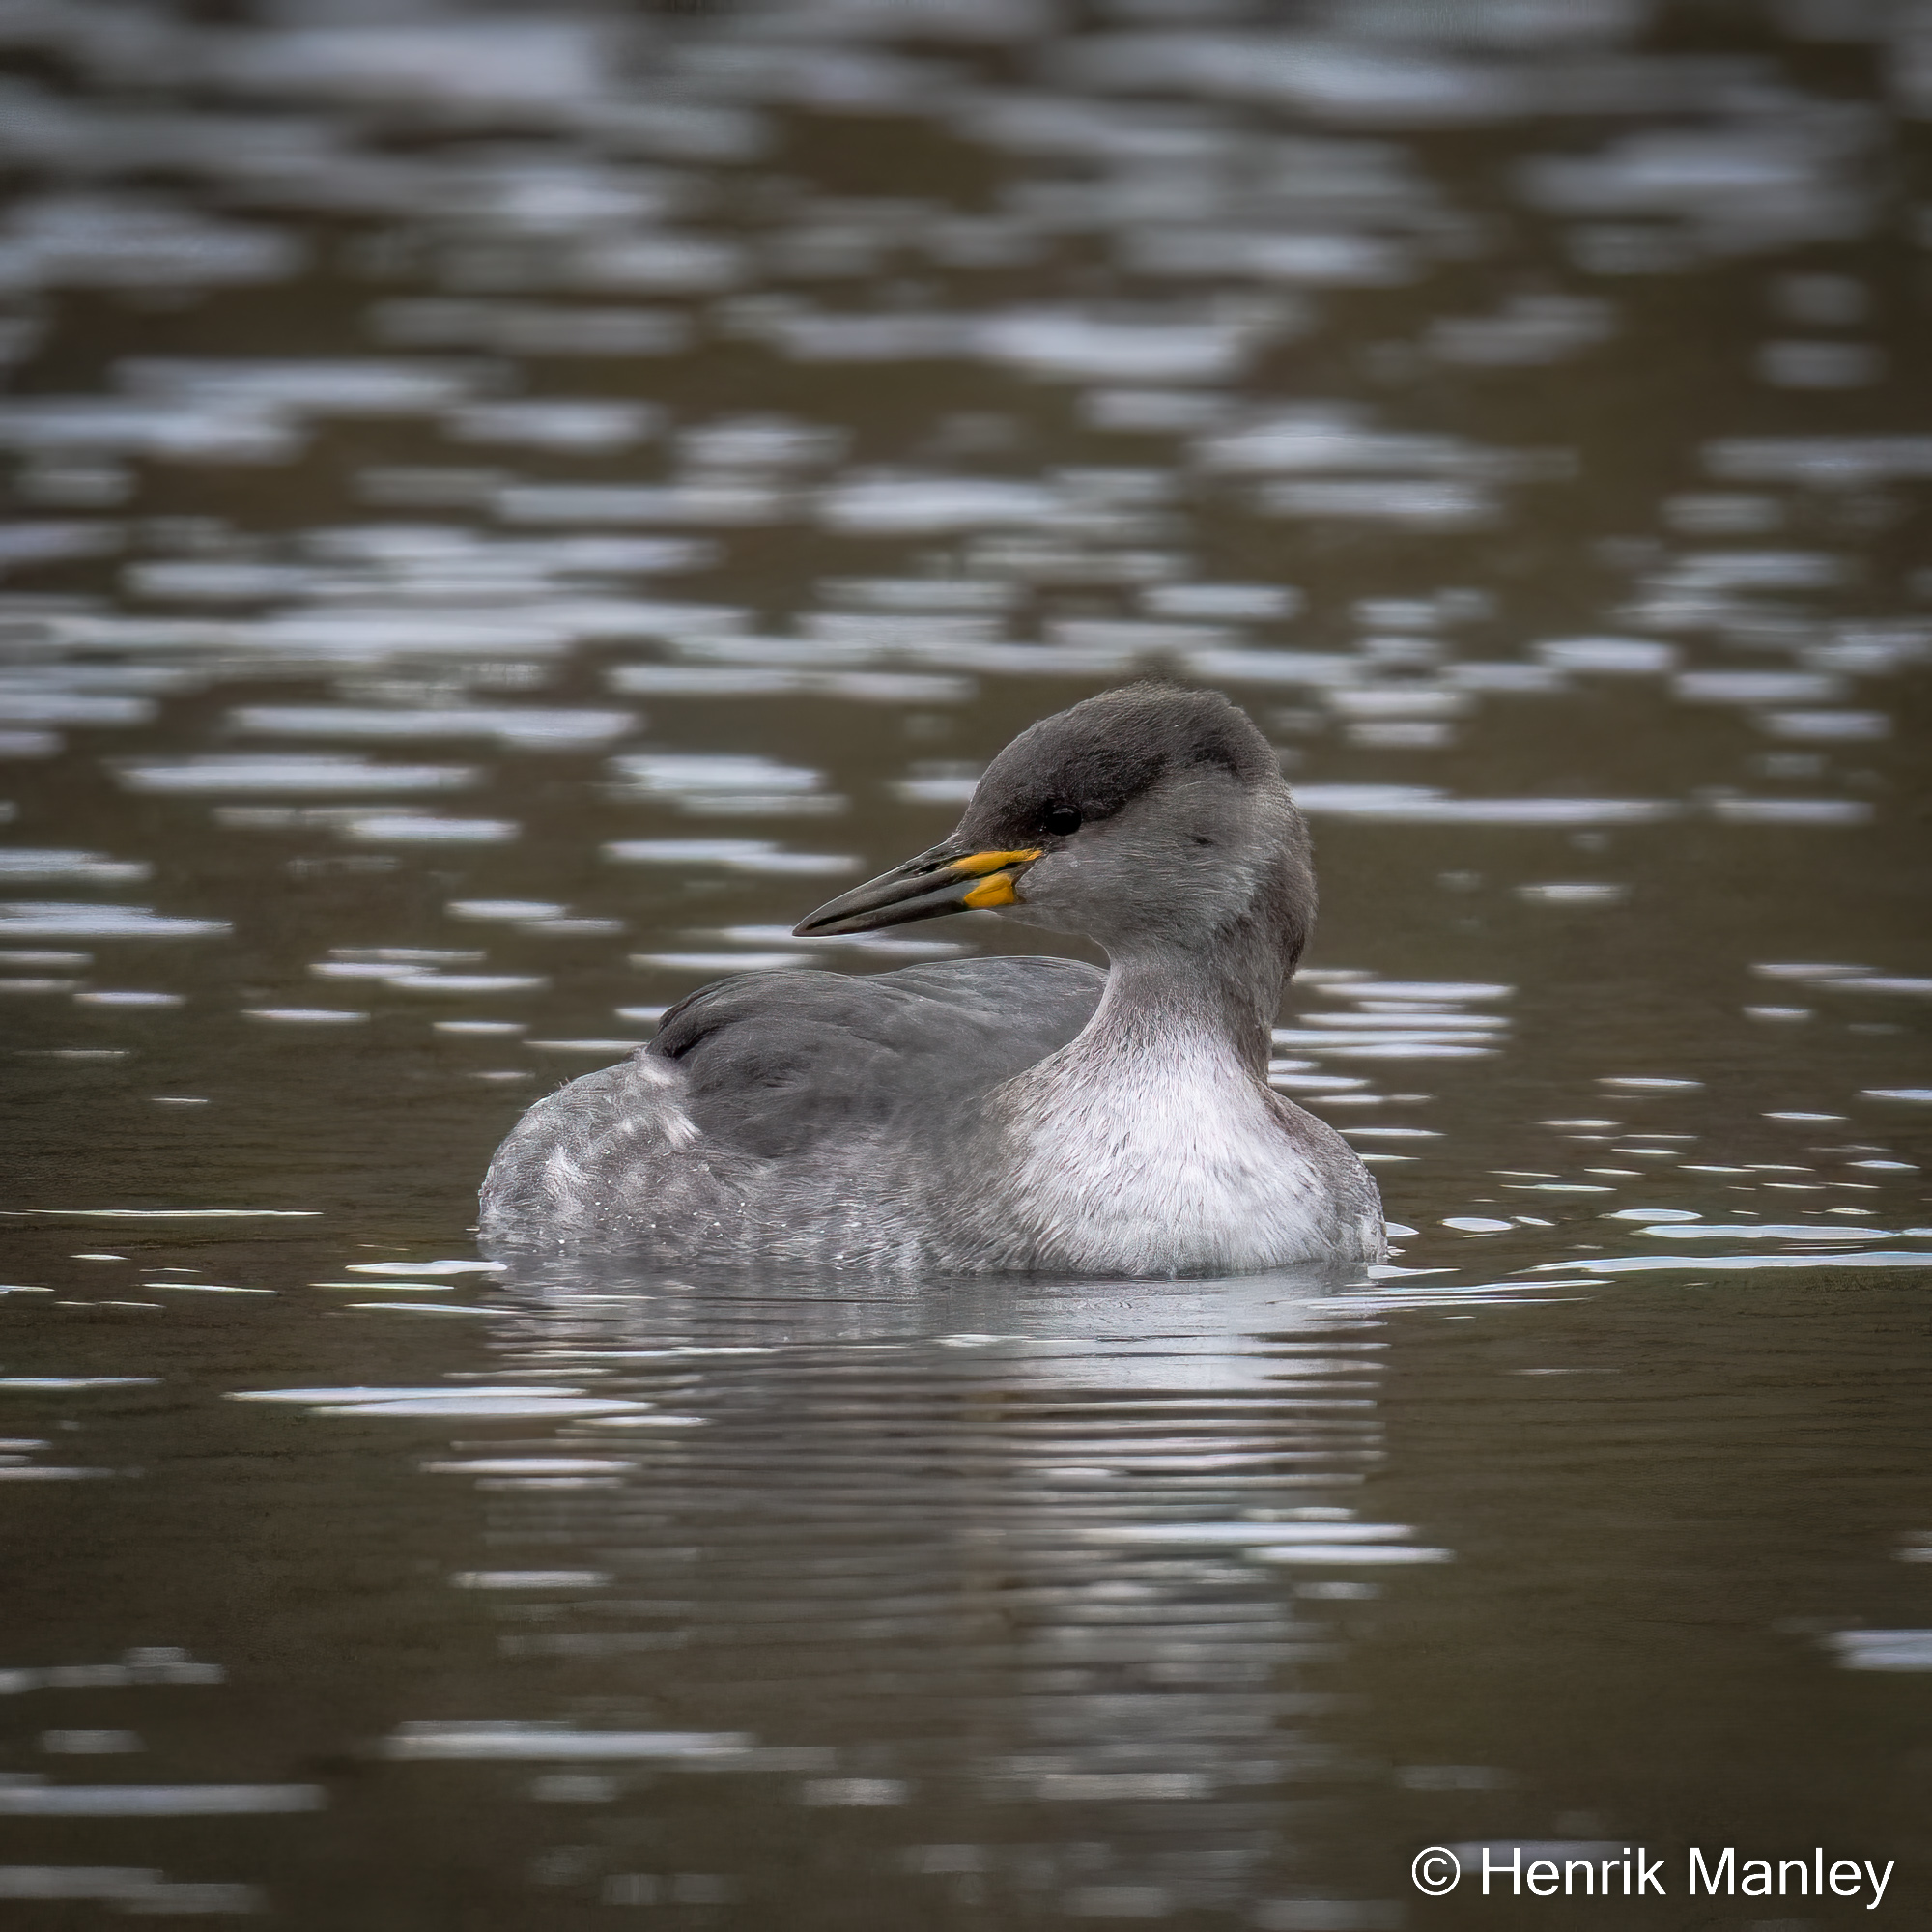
(510, 510)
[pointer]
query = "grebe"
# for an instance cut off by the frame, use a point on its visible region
(997, 1115)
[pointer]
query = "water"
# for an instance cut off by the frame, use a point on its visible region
(508, 511)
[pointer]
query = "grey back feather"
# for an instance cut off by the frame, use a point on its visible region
(781, 1064)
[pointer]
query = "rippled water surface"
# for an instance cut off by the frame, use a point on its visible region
(509, 510)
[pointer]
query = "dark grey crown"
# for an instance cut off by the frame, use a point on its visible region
(1105, 752)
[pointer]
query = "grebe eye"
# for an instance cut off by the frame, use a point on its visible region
(1061, 820)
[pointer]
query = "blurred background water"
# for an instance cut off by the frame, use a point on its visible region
(508, 510)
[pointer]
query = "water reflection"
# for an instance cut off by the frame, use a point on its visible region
(506, 506)
(876, 1556)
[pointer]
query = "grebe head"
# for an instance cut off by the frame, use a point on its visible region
(1152, 818)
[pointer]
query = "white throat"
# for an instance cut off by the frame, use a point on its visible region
(1148, 1145)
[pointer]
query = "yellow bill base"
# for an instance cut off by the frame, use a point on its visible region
(975, 863)
(998, 890)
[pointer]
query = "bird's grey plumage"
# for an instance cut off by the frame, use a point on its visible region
(989, 1115)
(769, 1102)
(783, 1064)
